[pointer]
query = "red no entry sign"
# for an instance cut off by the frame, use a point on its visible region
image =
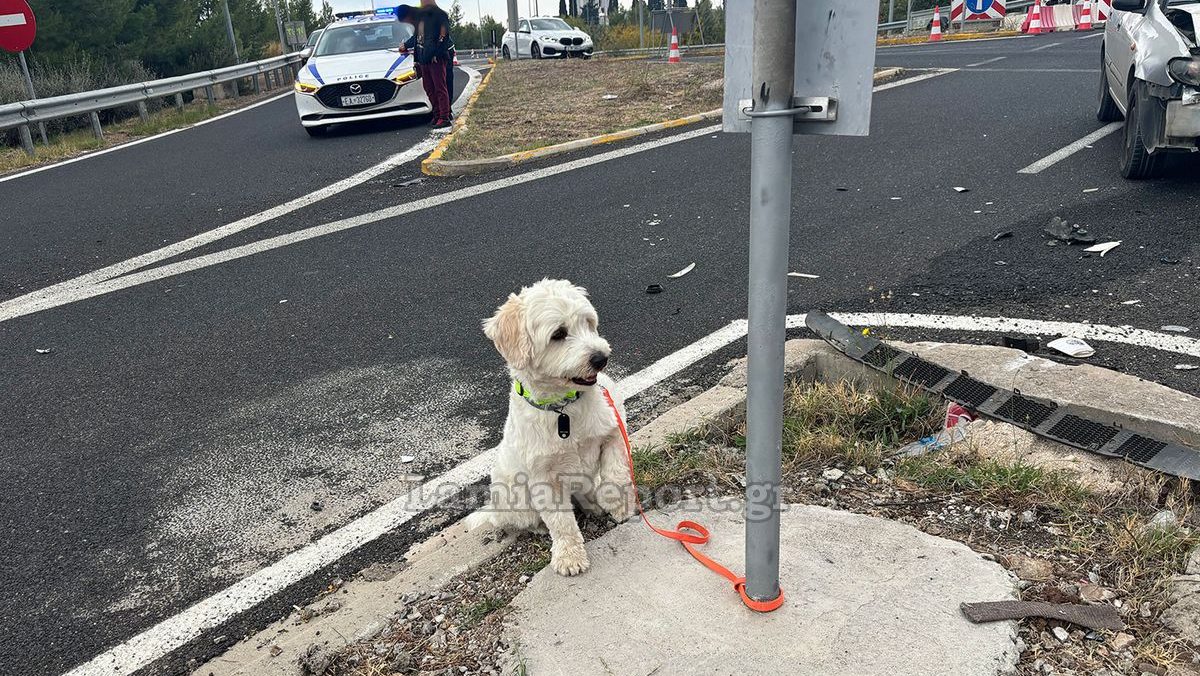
(17, 26)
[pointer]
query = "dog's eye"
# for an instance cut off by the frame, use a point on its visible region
(560, 334)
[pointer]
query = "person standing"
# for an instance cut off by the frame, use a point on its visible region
(432, 55)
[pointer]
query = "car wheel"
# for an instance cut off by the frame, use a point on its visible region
(1136, 160)
(507, 56)
(535, 52)
(1108, 110)
(315, 131)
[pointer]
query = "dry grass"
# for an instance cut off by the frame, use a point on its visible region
(946, 37)
(532, 104)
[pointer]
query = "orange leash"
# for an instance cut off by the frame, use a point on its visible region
(689, 533)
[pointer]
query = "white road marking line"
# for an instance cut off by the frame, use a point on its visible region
(178, 248)
(176, 631)
(1093, 35)
(102, 281)
(910, 80)
(1052, 44)
(88, 281)
(1035, 70)
(458, 104)
(123, 146)
(993, 60)
(1070, 149)
(10, 20)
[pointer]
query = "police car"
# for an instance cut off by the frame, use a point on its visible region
(357, 72)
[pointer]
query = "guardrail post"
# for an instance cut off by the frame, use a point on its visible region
(26, 140)
(268, 79)
(143, 112)
(179, 101)
(97, 130)
(255, 79)
(210, 95)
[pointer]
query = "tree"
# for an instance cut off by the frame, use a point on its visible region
(491, 28)
(655, 5)
(679, 3)
(326, 17)
(562, 7)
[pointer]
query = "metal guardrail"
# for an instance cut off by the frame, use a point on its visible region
(38, 111)
(657, 50)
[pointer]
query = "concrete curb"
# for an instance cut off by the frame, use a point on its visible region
(459, 121)
(434, 166)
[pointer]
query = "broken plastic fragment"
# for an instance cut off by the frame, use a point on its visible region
(407, 458)
(959, 188)
(654, 288)
(1175, 329)
(1103, 248)
(946, 437)
(1130, 302)
(1002, 235)
(1187, 367)
(43, 350)
(1091, 189)
(803, 275)
(609, 97)
(683, 272)
(1072, 347)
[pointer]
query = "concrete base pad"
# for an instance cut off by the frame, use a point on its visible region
(864, 596)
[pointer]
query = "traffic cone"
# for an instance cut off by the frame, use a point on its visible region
(1085, 17)
(1035, 20)
(673, 55)
(935, 29)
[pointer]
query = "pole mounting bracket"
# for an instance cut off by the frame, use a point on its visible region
(804, 109)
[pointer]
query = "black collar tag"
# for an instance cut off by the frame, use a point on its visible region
(564, 425)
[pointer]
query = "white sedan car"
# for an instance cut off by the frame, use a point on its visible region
(546, 37)
(357, 72)
(1149, 76)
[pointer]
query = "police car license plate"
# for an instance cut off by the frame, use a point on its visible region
(358, 100)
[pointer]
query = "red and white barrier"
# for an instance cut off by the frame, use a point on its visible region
(1084, 23)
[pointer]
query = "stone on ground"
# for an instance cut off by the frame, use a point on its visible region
(864, 596)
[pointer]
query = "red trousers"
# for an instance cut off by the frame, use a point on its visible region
(433, 79)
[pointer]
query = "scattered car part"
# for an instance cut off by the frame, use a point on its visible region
(1072, 347)
(1101, 616)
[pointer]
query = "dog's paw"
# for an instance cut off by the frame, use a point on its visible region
(620, 506)
(570, 560)
(477, 520)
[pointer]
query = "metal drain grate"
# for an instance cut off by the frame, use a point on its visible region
(1085, 433)
(920, 372)
(881, 355)
(1140, 449)
(1025, 411)
(968, 391)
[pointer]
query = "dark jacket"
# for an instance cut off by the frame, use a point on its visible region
(432, 39)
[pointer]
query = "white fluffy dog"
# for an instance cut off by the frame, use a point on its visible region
(561, 438)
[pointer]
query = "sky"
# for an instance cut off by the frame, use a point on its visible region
(471, 8)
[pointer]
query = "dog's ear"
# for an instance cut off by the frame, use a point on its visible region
(507, 330)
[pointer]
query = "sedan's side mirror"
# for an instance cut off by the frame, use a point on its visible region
(1129, 5)
(306, 53)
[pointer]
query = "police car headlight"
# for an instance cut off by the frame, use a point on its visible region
(306, 88)
(404, 78)
(1185, 69)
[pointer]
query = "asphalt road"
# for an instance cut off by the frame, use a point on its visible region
(177, 434)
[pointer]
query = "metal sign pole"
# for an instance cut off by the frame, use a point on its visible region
(512, 27)
(283, 43)
(641, 25)
(773, 76)
(32, 93)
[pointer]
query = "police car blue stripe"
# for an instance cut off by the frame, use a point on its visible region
(394, 66)
(312, 68)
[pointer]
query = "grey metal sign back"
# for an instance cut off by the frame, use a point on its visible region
(835, 60)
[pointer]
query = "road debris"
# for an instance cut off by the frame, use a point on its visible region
(1019, 343)
(1002, 235)
(411, 181)
(803, 275)
(959, 188)
(1072, 347)
(654, 288)
(1092, 617)
(1187, 367)
(1103, 248)
(683, 272)
(43, 350)
(933, 442)
(1131, 302)
(316, 505)
(609, 97)
(1091, 189)
(1174, 328)
(1065, 232)
(405, 459)
(842, 189)
(1001, 262)
(1168, 261)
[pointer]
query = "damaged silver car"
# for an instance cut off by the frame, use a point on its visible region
(1150, 75)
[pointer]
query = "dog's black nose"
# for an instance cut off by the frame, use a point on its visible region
(598, 361)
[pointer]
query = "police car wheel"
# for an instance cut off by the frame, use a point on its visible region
(507, 56)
